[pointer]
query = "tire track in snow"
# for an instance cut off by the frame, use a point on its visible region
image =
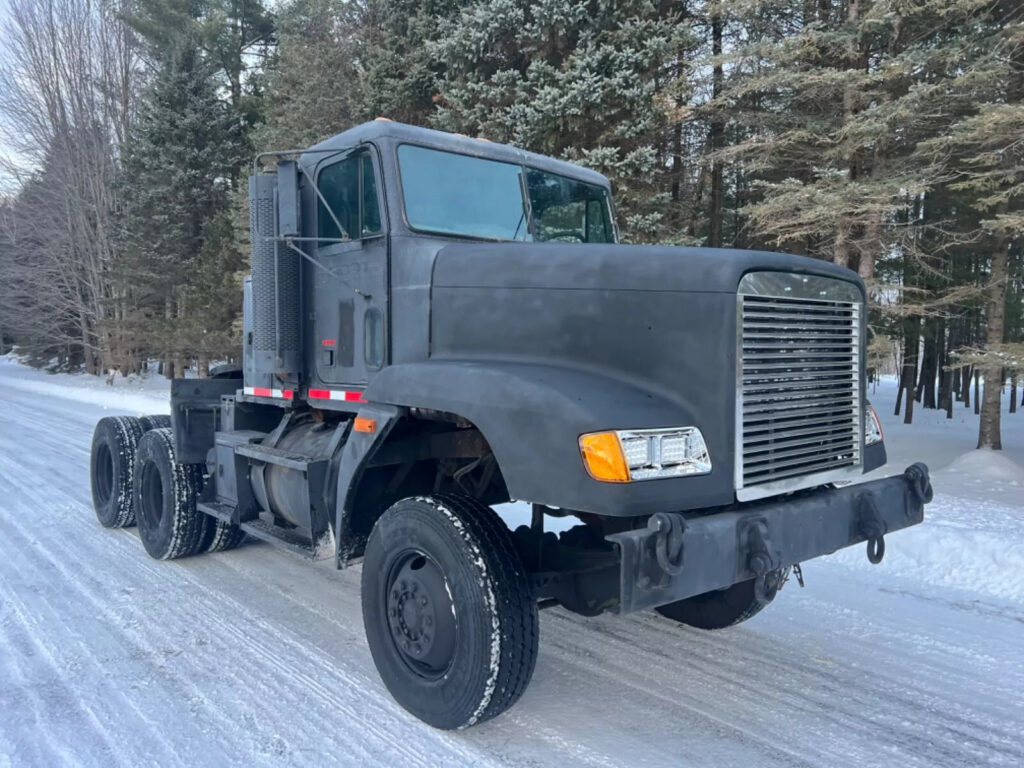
(209, 615)
(207, 612)
(836, 674)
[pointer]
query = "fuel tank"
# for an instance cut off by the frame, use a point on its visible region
(283, 490)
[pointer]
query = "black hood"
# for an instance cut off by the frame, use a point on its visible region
(656, 325)
(610, 267)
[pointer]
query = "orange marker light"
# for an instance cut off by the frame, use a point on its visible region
(602, 456)
(365, 425)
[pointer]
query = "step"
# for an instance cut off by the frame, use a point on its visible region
(279, 456)
(215, 509)
(285, 538)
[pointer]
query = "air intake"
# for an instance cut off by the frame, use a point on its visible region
(275, 288)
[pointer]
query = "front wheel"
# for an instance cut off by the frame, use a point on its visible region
(450, 618)
(724, 607)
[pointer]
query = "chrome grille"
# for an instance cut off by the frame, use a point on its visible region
(799, 407)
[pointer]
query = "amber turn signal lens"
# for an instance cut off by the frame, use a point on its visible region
(602, 456)
(364, 425)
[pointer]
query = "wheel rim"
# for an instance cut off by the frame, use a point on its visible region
(421, 614)
(104, 474)
(152, 494)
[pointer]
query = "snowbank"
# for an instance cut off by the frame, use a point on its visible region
(966, 544)
(134, 395)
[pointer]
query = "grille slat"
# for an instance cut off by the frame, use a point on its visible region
(790, 408)
(754, 443)
(796, 384)
(799, 388)
(776, 451)
(800, 471)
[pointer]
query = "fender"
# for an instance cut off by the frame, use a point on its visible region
(531, 416)
(355, 452)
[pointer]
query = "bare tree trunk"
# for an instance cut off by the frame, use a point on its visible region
(977, 390)
(1013, 393)
(910, 354)
(717, 132)
(989, 435)
(926, 386)
(945, 374)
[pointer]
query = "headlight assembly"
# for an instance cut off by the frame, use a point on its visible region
(625, 456)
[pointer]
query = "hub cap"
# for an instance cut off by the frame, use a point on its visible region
(421, 615)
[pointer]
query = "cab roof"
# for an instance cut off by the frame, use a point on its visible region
(382, 131)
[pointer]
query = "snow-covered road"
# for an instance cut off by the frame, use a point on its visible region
(253, 657)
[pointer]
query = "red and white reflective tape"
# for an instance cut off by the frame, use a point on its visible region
(336, 394)
(283, 394)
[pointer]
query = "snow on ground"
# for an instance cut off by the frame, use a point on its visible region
(135, 395)
(254, 657)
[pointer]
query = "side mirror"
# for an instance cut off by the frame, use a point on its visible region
(288, 199)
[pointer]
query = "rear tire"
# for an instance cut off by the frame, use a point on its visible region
(450, 618)
(111, 469)
(156, 421)
(165, 492)
(223, 536)
(721, 608)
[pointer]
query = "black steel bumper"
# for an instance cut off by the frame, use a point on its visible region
(676, 557)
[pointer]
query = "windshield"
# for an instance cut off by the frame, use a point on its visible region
(455, 194)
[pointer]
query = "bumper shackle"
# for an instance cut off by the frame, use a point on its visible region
(668, 541)
(919, 482)
(872, 527)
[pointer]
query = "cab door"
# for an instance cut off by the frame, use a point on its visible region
(351, 274)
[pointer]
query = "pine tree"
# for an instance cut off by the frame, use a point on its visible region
(577, 79)
(982, 157)
(312, 80)
(183, 149)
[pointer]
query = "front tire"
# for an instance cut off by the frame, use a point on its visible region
(724, 607)
(165, 493)
(111, 469)
(450, 618)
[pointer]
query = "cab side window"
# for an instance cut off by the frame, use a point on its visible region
(350, 189)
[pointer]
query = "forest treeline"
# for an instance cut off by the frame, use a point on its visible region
(883, 135)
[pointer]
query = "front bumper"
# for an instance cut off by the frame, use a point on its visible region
(676, 557)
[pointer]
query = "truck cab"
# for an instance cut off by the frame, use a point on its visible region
(435, 325)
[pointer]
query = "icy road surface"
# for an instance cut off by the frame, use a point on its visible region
(253, 657)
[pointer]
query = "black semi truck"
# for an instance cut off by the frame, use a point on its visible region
(436, 324)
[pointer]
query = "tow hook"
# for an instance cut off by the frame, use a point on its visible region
(919, 482)
(668, 542)
(759, 560)
(872, 527)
